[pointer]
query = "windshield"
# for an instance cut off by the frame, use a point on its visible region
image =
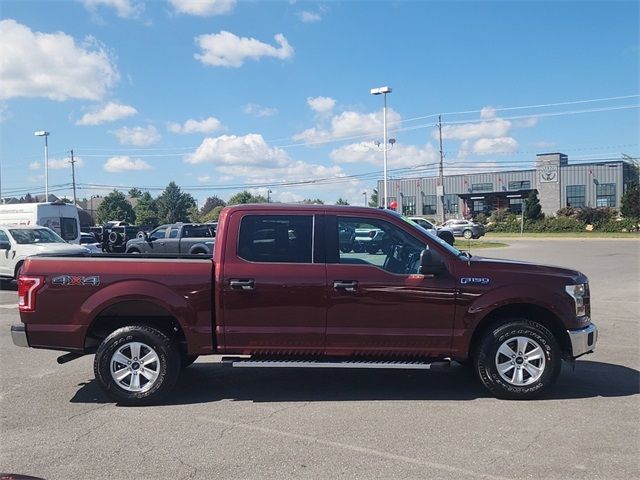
(25, 236)
(451, 248)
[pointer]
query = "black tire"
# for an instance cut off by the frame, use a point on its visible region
(134, 251)
(487, 356)
(358, 247)
(346, 248)
(115, 238)
(168, 367)
(187, 360)
(467, 234)
(373, 249)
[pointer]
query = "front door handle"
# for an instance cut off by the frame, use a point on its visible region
(245, 284)
(346, 285)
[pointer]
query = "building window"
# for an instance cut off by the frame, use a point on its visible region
(479, 206)
(451, 203)
(606, 195)
(520, 185)
(515, 205)
(429, 204)
(575, 196)
(481, 187)
(408, 205)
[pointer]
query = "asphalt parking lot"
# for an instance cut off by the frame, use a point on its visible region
(245, 424)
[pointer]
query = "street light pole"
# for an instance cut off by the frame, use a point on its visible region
(269, 192)
(44, 134)
(365, 198)
(383, 91)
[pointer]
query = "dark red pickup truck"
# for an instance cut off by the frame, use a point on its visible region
(280, 290)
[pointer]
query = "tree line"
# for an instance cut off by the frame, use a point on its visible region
(173, 205)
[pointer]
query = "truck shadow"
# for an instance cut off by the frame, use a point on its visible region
(206, 382)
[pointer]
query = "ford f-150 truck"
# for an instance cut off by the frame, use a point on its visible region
(279, 292)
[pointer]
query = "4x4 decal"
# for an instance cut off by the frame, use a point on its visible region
(65, 280)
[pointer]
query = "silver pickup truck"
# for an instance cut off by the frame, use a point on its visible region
(178, 238)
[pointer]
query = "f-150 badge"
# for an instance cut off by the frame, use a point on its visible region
(474, 280)
(65, 280)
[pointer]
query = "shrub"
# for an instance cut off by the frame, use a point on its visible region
(481, 218)
(567, 212)
(500, 215)
(624, 225)
(596, 216)
(630, 204)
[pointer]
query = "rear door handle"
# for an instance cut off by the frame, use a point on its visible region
(245, 284)
(346, 285)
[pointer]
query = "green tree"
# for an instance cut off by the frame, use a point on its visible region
(174, 205)
(373, 199)
(342, 201)
(115, 207)
(213, 215)
(630, 203)
(28, 198)
(147, 211)
(532, 207)
(135, 192)
(317, 201)
(246, 197)
(210, 203)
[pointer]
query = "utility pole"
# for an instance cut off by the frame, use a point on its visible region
(441, 189)
(73, 177)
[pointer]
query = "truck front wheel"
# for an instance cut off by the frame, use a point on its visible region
(518, 359)
(137, 365)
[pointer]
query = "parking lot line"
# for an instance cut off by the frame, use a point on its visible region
(9, 305)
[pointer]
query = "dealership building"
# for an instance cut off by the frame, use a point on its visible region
(558, 183)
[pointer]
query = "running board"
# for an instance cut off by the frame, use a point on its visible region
(399, 365)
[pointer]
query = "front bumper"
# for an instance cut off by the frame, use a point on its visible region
(583, 340)
(19, 335)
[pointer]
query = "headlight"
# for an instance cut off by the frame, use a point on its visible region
(580, 295)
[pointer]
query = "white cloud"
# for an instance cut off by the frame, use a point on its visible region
(486, 146)
(309, 17)
(35, 165)
(5, 114)
(321, 105)
(52, 65)
(250, 149)
(207, 125)
(399, 156)
(488, 112)
(203, 8)
(107, 113)
(259, 111)
(138, 136)
(125, 164)
(251, 157)
(124, 8)
(544, 144)
(349, 124)
(526, 122)
(225, 49)
(490, 129)
(60, 163)
(204, 178)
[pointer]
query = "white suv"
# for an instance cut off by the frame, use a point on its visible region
(18, 242)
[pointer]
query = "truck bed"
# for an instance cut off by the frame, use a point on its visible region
(84, 293)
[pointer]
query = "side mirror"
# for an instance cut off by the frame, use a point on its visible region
(5, 246)
(431, 263)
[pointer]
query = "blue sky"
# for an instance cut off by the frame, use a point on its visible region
(222, 95)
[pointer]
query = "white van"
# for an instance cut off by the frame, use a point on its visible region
(60, 217)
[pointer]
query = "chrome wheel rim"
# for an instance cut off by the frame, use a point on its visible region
(135, 367)
(520, 361)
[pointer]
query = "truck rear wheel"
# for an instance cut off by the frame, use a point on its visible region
(137, 365)
(518, 360)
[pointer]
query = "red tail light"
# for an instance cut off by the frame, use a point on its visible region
(27, 288)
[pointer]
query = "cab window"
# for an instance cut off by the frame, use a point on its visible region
(276, 238)
(377, 243)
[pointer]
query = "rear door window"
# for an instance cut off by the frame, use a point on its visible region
(68, 228)
(276, 238)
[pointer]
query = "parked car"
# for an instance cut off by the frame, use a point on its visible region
(442, 232)
(19, 242)
(179, 238)
(464, 228)
(279, 293)
(370, 240)
(89, 241)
